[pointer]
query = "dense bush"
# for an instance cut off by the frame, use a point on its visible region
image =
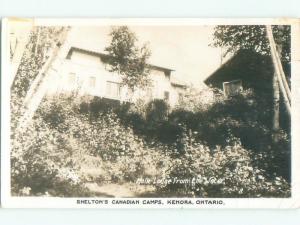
(42, 162)
(47, 154)
(129, 142)
(245, 116)
(220, 172)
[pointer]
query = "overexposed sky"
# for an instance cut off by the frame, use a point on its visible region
(182, 48)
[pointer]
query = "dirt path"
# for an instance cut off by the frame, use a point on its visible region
(127, 190)
(92, 170)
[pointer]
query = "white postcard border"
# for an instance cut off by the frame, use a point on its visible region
(52, 202)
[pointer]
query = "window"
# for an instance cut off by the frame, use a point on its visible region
(180, 97)
(149, 93)
(92, 82)
(166, 96)
(167, 74)
(113, 89)
(72, 79)
(232, 88)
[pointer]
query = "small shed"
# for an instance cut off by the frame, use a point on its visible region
(249, 70)
(246, 69)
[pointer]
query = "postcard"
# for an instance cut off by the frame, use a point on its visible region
(150, 113)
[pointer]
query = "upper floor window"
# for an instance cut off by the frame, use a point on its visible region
(113, 89)
(180, 96)
(166, 95)
(72, 79)
(167, 74)
(92, 82)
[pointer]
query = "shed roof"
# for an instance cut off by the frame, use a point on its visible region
(253, 69)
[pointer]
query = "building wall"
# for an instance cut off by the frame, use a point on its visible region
(87, 74)
(176, 93)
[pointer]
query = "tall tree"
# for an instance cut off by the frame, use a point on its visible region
(253, 37)
(40, 52)
(127, 58)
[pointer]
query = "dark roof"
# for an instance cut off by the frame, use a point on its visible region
(255, 70)
(105, 56)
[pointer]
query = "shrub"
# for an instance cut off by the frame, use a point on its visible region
(221, 172)
(245, 116)
(195, 100)
(157, 111)
(48, 156)
(42, 161)
(78, 133)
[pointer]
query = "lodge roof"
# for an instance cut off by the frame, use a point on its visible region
(103, 56)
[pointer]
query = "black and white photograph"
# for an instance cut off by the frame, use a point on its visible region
(163, 114)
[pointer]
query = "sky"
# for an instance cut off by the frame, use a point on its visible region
(185, 49)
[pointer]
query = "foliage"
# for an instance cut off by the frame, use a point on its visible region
(44, 157)
(41, 42)
(220, 172)
(42, 161)
(252, 37)
(245, 116)
(127, 59)
(49, 157)
(157, 111)
(195, 100)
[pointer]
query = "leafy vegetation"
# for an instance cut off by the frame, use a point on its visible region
(219, 148)
(253, 37)
(40, 44)
(49, 156)
(127, 59)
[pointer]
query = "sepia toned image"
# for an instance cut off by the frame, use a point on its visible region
(139, 111)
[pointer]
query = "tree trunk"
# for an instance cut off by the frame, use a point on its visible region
(39, 86)
(278, 70)
(276, 108)
(22, 39)
(276, 100)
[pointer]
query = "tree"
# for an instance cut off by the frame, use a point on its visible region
(256, 38)
(252, 37)
(28, 87)
(127, 59)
